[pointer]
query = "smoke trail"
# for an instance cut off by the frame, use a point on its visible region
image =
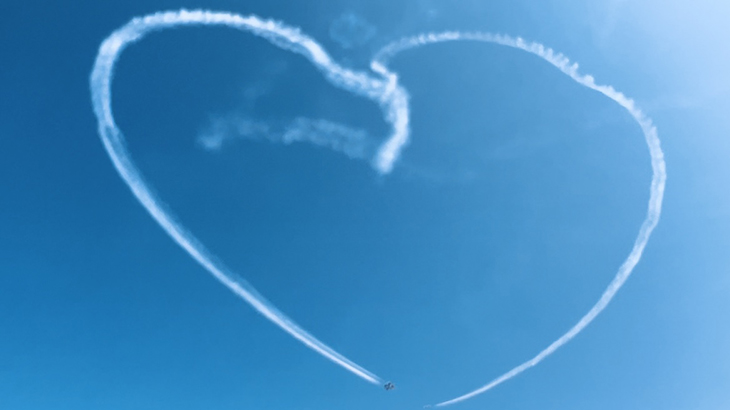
(394, 102)
(391, 97)
(652, 140)
(354, 143)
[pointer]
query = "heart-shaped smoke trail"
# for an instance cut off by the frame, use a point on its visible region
(394, 101)
(385, 91)
(656, 190)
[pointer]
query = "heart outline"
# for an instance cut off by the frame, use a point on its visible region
(394, 101)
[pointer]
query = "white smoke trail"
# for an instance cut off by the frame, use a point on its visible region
(394, 101)
(391, 97)
(354, 143)
(650, 134)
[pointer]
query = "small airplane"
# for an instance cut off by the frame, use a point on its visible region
(389, 386)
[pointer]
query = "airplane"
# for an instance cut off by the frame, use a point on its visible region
(389, 386)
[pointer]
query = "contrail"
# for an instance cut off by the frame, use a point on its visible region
(387, 93)
(658, 181)
(354, 143)
(394, 101)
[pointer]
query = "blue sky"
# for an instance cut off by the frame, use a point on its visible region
(517, 199)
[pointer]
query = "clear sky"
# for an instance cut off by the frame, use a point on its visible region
(517, 199)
